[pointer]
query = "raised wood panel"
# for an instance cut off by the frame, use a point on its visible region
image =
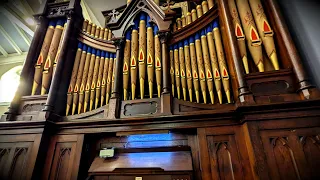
(224, 157)
(311, 149)
(19, 163)
(18, 154)
(292, 154)
(63, 157)
(223, 153)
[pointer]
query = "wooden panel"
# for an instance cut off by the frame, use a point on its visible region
(223, 154)
(311, 149)
(224, 157)
(63, 157)
(292, 154)
(17, 156)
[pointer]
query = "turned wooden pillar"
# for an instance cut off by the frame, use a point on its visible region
(163, 36)
(26, 76)
(119, 43)
(166, 97)
(245, 96)
(115, 101)
(306, 89)
(54, 88)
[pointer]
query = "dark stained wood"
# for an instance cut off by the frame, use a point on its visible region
(27, 70)
(163, 36)
(293, 54)
(63, 157)
(271, 132)
(96, 43)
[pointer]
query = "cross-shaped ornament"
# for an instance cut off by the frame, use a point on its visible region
(114, 14)
(168, 3)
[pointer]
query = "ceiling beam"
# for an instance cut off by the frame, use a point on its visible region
(22, 34)
(27, 7)
(11, 15)
(11, 41)
(88, 13)
(13, 59)
(3, 51)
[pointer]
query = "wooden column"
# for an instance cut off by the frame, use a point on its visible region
(163, 36)
(115, 101)
(166, 97)
(306, 89)
(119, 43)
(245, 96)
(52, 95)
(26, 76)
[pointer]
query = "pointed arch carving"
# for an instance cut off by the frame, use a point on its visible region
(284, 158)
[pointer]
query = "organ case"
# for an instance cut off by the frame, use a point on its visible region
(222, 77)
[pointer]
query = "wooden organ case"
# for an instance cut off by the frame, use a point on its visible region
(179, 90)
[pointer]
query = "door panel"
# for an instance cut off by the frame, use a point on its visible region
(18, 154)
(63, 157)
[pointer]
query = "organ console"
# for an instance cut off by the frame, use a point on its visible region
(220, 83)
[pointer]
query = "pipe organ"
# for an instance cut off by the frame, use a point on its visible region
(206, 82)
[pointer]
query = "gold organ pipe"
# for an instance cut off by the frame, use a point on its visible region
(177, 68)
(221, 59)
(88, 30)
(95, 79)
(207, 64)
(84, 79)
(110, 75)
(84, 25)
(188, 67)
(199, 11)
(158, 61)
(48, 65)
(194, 67)
(42, 57)
(126, 62)
(250, 30)
(214, 63)
(182, 71)
(142, 52)
(89, 80)
(104, 78)
(79, 78)
(239, 34)
(205, 8)
(172, 69)
(134, 58)
(194, 15)
(265, 31)
(73, 77)
(99, 81)
(202, 75)
(151, 55)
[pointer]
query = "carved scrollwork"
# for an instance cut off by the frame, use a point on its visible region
(33, 107)
(57, 11)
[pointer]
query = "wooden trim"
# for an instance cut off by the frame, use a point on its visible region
(96, 43)
(204, 154)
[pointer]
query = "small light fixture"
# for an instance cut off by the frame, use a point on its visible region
(30, 21)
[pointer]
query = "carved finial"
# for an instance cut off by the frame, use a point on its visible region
(114, 15)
